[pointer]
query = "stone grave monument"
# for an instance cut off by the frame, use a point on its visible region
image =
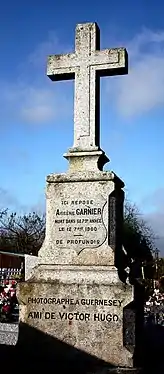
(74, 301)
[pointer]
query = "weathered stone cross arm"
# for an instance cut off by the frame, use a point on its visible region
(87, 53)
(87, 64)
(106, 63)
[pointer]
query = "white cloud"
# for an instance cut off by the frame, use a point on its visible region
(9, 200)
(38, 113)
(156, 221)
(40, 206)
(36, 104)
(41, 101)
(135, 94)
(155, 200)
(16, 158)
(155, 217)
(48, 47)
(143, 89)
(39, 55)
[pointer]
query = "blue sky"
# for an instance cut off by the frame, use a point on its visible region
(36, 115)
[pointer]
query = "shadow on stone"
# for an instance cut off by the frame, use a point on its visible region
(129, 317)
(41, 351)
(152, 349)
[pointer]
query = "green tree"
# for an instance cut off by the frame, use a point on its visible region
(160, 265)
(138, 240)
(22, 234)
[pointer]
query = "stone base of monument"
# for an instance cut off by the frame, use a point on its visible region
(8, 333)
(80, 315)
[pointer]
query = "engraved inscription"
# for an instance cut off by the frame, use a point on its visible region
(80, 223)
(108, 315)
(74, 316)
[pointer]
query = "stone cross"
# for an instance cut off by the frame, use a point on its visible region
(87, 64)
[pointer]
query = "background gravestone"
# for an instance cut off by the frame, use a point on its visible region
(73, 307)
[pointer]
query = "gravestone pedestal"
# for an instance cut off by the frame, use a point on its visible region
(81, 306)
(74, 310)
(75, 295)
